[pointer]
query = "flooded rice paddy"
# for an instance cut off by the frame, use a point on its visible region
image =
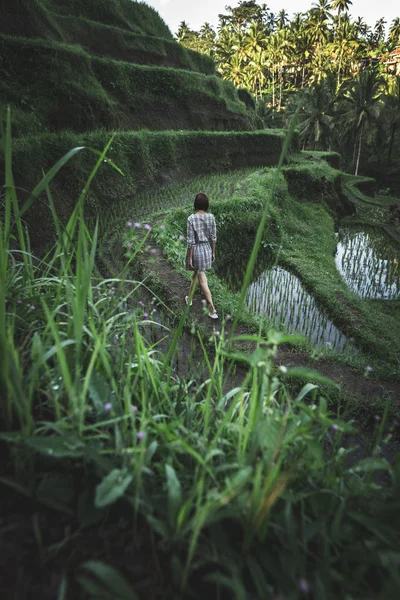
(280, 296)
(369, 263)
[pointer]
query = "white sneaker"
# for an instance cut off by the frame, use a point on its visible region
(187, 300)
(213, 315)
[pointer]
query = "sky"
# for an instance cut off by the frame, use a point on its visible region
(197, 12)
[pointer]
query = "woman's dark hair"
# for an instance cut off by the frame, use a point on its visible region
(201, 202)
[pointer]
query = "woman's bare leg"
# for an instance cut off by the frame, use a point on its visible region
(206, 290)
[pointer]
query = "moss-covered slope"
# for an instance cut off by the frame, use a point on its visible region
(89, 64)
(147, 159)
(53, 86)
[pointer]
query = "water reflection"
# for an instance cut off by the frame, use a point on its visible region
(368, 263)
(279, 295)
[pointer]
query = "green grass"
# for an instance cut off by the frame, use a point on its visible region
(88, 90)
(40, 18)
(147, 159)
(300, 236)
(222, 487)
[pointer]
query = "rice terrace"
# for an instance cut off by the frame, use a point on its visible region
(149, 451)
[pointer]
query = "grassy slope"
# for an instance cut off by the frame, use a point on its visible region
(147, 159)
(302, 237)
(53, 86)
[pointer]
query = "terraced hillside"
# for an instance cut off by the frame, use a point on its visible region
(81, 65)
(74, 73)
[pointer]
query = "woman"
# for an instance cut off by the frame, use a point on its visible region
(201, 239)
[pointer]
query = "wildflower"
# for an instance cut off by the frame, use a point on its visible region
(146, 315)
(228, 317)
(140, 435)
(154, 311)
(134, 408)
(141, 303)
(283, 369)
(153, 251)
(19, 301)
(181, 238)
(304, 586)
(154, 299)
(377, 418)
(217, 333)
(107, 406)
(204, 301)
(129, 223)
(33, 307)
(137, 225)
(368, 369)
(162, 227)
(335, 427)
(147, 227)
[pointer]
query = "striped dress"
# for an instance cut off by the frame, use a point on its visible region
(201, 231)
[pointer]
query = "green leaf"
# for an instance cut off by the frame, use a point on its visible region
(112, 487)
(174, 494)
(48, 177)
(310, 375)
(63, 446)
(105, 582)
(367, 465)
(305, 390)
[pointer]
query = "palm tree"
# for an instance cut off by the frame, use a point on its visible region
(341, 6)
(315, 115)
(361, 107)
(361, 27)
(394, 32)
(282, 19)
(379, 31)
(345, 45)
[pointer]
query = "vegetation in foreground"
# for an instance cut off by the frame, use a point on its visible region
(235, 492)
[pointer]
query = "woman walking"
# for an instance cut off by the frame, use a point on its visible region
(201, 240)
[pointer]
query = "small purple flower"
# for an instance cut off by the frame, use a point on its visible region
(140, 435)
(147, 227)
(153, 251)
(33, 307)
(368, 369)
(377, 418)
(137, 225)
(217, 333)
(304, 586)
(107, 406)
(134, 408)
(204, 301)
(141, 303)
(181, 238)
(146, 315)
(335, 427)
(129, 223)
(154, 299)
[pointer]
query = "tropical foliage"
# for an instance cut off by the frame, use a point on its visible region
(331, 66)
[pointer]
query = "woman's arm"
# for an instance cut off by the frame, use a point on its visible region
(190, 237)
(213, 237)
